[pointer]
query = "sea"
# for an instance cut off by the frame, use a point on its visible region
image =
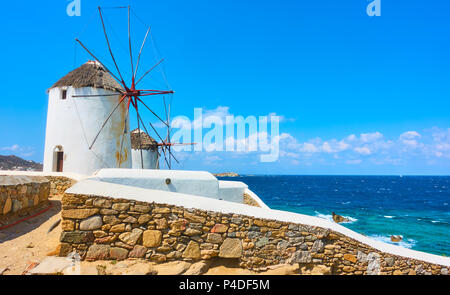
(415, 207)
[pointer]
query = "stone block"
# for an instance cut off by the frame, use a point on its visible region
(78, 213)
(192, 250)
(231, 248)
(151, 238)
(91, 223)
(98, 252)
(131, 238)
(77, 237)
(117, 253)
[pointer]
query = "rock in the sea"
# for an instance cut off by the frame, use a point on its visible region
(396, 238)
(338, 218)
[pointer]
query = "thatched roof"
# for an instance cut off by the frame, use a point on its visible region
(147, 142)
(90, 74)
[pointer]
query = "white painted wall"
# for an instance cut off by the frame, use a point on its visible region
(232, 191)
(73, 123)
(150, 159)
(199, 183)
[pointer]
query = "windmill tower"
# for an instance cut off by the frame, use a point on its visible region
(89, 113)
(78, 105)
(143, 145)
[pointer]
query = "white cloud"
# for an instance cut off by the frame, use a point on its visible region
(410, 135)
(363, 150)
(326, 147)
(351, 137)
(310, 148)
(13, 148)
(429, 147)
(281, 118)
(18, 150)
(410, 138)
(371, 137)
(373, 145)
(353, 162)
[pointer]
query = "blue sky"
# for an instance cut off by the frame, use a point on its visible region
(357, 94)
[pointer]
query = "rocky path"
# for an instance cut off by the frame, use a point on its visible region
(28, 242)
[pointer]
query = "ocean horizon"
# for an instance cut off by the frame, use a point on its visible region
(415, 207)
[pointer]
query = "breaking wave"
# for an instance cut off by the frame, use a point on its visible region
(330, 217)
(405, 243)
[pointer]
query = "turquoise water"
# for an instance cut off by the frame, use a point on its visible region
(415, 207)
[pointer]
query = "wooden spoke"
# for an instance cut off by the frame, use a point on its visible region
(140, 51)
(106, 121)
(129, 44)
(97, 95)
(153, 112)
(133, 95)
(140, 140)
(96, 59)
(156, 93)
(149, 70)
(123, 136)
(109, 46)
(146, 131)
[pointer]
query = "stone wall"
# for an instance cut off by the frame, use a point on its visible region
(59, 184)
(21, 194)
(248, 200)
(100, 228)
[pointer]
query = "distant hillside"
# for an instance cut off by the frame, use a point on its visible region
(15, 163)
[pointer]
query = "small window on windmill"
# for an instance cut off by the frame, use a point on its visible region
(64, 94)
